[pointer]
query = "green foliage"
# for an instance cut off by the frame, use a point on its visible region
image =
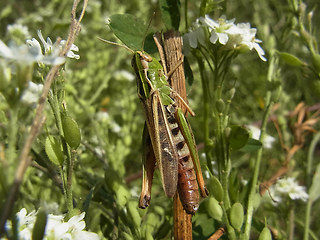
(170, 13)
(100, 93)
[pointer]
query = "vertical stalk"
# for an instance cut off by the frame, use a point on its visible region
(172, 43)
(291, 223)
(206, 112)
(307, 220)
(253, 189)
(12, 135)
(54, 103)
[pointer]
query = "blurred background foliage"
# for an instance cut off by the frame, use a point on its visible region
(100, 93)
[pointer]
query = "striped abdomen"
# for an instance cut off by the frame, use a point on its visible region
(187, 182)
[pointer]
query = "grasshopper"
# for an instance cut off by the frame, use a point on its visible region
(167, 136)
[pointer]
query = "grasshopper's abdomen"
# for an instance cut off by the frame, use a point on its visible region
(187, 181)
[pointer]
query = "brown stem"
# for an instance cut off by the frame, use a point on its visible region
(24, 157)
(217, 234)
(170, 50)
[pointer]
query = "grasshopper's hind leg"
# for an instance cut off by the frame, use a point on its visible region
(149, 162)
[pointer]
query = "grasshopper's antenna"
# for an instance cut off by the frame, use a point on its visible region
(145, 33)
(117, 44)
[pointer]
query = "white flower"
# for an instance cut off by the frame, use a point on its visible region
(53, 48)
(23, 53)
(70, 54)
(32, 93)
(28, 54)
(56, 228)
(102, 116)
(124, 74)
(218, 29)
(230, 35)
(248, 38)
(194, 37)
(25, 219)
(288, 187)
(18, 29)
(267, 141)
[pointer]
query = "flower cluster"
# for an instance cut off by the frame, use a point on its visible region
(288, 187)
(31, 51)
(56, 228)
(225, 32)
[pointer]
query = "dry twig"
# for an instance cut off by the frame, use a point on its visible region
(39, 119)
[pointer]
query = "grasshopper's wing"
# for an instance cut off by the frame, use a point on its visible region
(189, 138)
(163, 146)
(149, 162)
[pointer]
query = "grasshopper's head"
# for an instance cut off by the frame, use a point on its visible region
(144, 59)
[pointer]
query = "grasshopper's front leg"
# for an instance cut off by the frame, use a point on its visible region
(149, 162)
(189, 138)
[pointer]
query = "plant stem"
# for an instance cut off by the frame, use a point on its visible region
(291, 223)
(206, 105)
(12, 136)
(253, 190)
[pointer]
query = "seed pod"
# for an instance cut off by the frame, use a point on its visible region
(216, 189)
(220, 105)
(214, 209)
(71, 131)
(236, 215)
(265, 234)
(39, 226)
(53, 149)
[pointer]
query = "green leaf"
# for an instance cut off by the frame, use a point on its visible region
(238, 137)
(40, 225)
(170, 13)
(132, 32)
(251, 146)
(314, 192)
(291, 59)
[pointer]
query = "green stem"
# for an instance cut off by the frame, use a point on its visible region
(54, 103)
(206, 109)
(291, 223)
(253, 190)
(12, 136)
(311, 150)
(231, 232)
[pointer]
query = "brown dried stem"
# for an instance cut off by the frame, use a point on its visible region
(38, 121)
(301, 127)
